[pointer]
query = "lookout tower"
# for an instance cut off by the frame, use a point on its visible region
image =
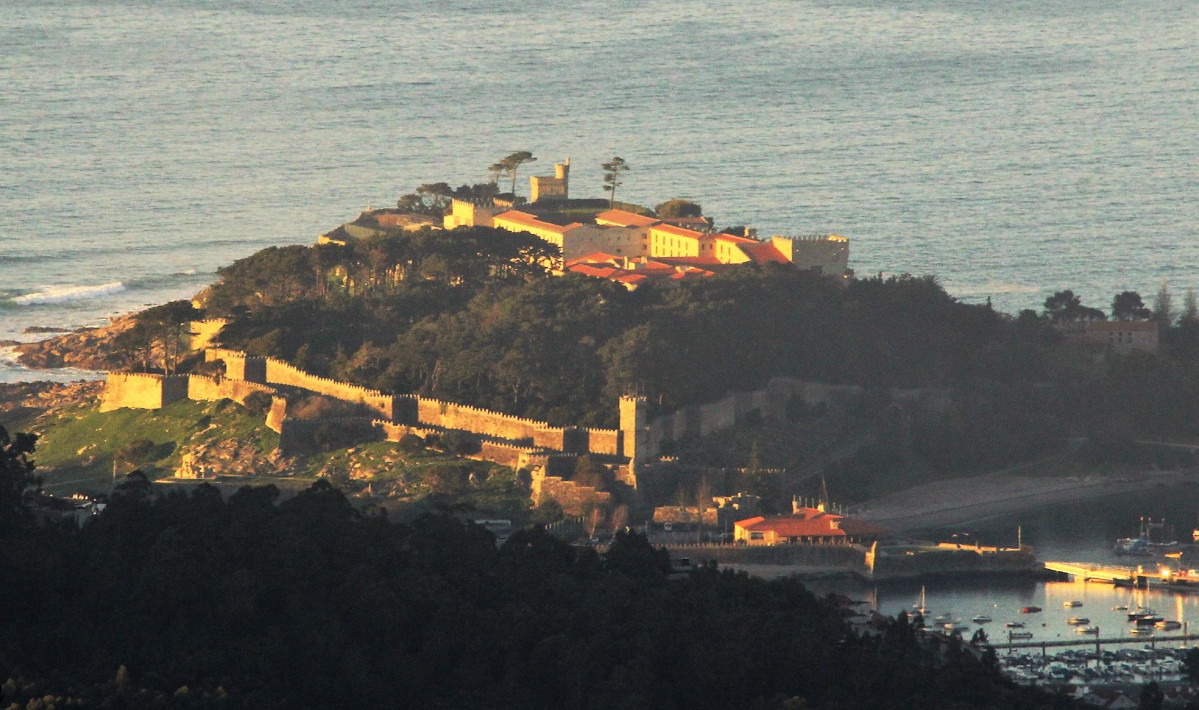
(545, 187)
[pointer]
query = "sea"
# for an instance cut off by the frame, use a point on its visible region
(1011, 149)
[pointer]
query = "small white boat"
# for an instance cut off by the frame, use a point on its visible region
(1073, 603)
(1166, 625)
(1078, 621)
(1140, 631)
(1014, 625)
(1121, 607)
(1087, 629)
(1020, 635)
(982, 619)
(920, 608)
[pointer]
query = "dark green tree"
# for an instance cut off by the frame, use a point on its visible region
(1065, 307)
(1129, 306)
(679, 208)
(1152, 697)
(508, 166)
(612, 170)
(1191, 663)
(16, 476)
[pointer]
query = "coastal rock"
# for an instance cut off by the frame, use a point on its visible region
(24, 399)
(86, 349)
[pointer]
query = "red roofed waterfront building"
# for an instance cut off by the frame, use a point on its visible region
(804, 525)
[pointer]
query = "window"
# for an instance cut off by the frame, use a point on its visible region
(757, 536)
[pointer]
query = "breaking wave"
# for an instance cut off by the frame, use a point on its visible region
(59, 294)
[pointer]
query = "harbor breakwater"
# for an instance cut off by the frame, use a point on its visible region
(873, 564)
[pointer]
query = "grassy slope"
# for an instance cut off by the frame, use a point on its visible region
(77, 444)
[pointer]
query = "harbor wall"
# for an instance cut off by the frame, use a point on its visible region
(849, 558)
(945, 560)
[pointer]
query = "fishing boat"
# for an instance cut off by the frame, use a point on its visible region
(1014, 625)
(1020, 635)
(943, 619)
(1093, 630)
(1141, 613)
(1078, 621)
(1120, 607)
(1030, 610)
(1165, 625)
(1141, 631)
(982, 619)
(1072, 604)
(1148, 620)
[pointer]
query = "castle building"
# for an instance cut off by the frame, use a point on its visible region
(645, 244)
(547, 187)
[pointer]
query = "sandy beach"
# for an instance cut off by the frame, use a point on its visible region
(970, 500)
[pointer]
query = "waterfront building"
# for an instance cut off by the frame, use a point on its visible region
(804, 525)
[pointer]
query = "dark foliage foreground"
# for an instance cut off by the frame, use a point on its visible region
(190, 600)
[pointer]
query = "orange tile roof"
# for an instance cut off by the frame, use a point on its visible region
(683, 221)
(736, 239)
(809, 522)
(624, 218)
(764, 252)
(531, 221)
(598, 257)
(679, 231)
(598, 272)
(700, 261)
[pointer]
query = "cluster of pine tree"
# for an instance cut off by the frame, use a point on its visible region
(190, 600)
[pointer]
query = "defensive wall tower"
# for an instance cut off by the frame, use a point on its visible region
(634, 431)
(544, 187)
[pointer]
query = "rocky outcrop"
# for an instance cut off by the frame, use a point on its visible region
(25, 399)
(87, 349)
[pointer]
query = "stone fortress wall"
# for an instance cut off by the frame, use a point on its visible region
(772, 402)
(142, 391)
(505, 437)
(548, 452)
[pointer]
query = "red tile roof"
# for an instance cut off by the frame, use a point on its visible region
(598, 257)
(679, 231)
(734, 238)
(763, 252)
(531, 221)
(624, 218)
(809, 522)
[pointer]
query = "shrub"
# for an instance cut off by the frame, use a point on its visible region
(412, 443)
(136, 451)
(258, 403)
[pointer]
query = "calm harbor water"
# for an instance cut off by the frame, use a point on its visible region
(1012, 149)
(1074, 533)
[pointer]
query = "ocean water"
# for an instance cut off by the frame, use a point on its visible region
(1011, 148)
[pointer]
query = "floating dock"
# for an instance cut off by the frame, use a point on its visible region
(1178, 580)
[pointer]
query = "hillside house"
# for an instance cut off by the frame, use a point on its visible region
(1118, 337)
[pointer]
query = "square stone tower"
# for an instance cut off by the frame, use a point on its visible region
(634, 430)
(544, 187)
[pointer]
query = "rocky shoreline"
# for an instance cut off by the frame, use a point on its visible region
(28, 400)
(86, 349)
